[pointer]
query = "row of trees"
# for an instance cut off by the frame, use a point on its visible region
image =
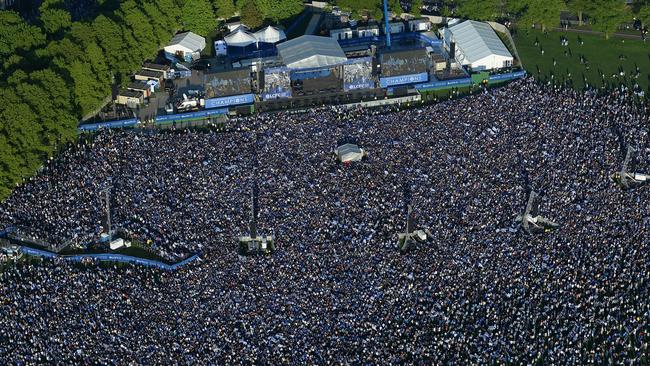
(605, 15)
(55, 70)
(200, 16)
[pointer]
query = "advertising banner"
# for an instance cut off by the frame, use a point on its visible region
(189, 116)
(508, 76)
(444, 84)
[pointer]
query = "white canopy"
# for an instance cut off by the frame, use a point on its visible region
(477, 45)
(186, 42)
(349, 152)
(270, 35)
(240, 38)
(311, 51)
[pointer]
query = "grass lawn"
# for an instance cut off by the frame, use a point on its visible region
(602, 56)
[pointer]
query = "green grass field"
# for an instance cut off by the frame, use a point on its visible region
(603, 56)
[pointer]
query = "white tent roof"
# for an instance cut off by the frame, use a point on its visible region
(240, 37)
(311, 51)
(189, 41)
(349, 152)
(270, 35)
(477, 40)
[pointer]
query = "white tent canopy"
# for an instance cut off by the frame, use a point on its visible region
(240, 37)
(310, 52)
(478, 45)
(270, 35)
(349, 152)
(186, 42)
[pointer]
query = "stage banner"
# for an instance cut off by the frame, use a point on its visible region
(229, 101)
(403, 79)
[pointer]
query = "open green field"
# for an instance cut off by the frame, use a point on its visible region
(603, 56)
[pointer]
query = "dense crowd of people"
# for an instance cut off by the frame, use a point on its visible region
(337, 290)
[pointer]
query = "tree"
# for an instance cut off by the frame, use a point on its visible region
(607, 15)
(225, 8)
(483, 10)
(416, 8)
(578, 7)
(199, 17)
(16, 35)
(546, 13)
(55, 20)
(395, 7)
(250, 14)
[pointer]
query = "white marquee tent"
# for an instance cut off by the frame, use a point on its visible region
(477, 45)
(270, 35)
(310, 52)
(187, 45)
(240, 37)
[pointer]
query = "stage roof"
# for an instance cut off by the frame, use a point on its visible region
(310, 52)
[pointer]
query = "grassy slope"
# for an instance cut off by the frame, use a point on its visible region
(601, 54)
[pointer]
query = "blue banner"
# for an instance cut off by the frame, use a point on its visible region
(111, 124)
(403, 79)
(110, 258)
(229, 101)
(189, 116)
(444, 84)
(508, 76)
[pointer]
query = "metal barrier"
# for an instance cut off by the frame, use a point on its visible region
(109, 258)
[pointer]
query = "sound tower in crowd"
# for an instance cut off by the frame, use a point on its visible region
(254, 244)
